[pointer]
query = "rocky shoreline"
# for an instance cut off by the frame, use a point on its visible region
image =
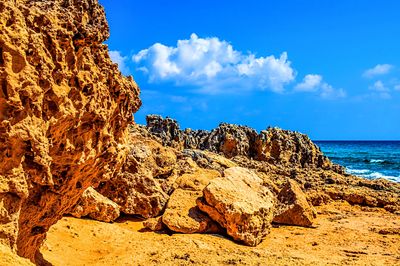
(69, 146)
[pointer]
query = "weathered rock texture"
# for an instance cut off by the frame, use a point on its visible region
(273, 145)
(293, 207)
(95, 206)
(64, 110)
(143, 185)
(276, 155)
(241, 204)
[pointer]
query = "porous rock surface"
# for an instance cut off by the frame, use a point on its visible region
(64, 111)
(95, 206)
(292, 207)
(143, 185)
(240, 204)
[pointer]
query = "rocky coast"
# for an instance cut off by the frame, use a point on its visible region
(81, 183)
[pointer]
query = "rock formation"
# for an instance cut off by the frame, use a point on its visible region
(143, 185)
(64, 111)
(95, 206)
(273, 145)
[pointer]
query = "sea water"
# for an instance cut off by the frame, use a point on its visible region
(368, 159)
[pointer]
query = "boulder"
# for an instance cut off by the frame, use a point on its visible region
(293, 207)
(183, 216)
(240, 204)
(95, 206)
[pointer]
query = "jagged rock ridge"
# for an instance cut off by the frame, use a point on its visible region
(64, 111)
(273, 145)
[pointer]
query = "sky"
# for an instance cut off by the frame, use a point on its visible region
(329, 69)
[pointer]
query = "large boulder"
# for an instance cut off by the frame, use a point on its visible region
(64, 112)
(183, 216)
(240, 203)
(95, 206)
(293, 207)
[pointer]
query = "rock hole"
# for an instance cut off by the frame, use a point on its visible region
(78, 185)
(4, 88)
(1, 57)
(37, 230)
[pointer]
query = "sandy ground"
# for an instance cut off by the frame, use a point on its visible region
(344, 235)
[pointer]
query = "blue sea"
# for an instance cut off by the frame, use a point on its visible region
(368, 159)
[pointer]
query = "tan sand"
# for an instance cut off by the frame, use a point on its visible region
(344, 235)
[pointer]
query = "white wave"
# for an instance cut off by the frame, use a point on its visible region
(376, 161)
(357, 171)
(372, 175)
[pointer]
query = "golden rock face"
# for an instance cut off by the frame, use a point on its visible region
(64, 112)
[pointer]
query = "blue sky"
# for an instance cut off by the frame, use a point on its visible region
(330, 69)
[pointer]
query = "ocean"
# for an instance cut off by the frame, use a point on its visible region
(368, 159)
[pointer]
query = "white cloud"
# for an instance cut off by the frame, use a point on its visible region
(310, 82)
(378, 70)
(315, 83)
(120, 60)
(212, 65)
(397, 87)
(380, 90)
(379, 86)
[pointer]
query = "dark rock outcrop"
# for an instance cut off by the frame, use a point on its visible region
(273, 145)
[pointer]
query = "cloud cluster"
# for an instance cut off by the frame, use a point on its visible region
(383, 87)
(211, 65)
(378, 70)
(315, 83)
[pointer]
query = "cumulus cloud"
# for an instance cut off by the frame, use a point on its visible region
(120, 60)
(212, 65)
(315, 83)
(377, 70)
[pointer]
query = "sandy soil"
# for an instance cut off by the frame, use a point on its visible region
(344, 234)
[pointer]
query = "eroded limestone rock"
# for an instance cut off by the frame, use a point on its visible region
(145, 181)
(64, 111)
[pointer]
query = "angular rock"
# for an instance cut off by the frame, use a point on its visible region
(241, 204)
(183, 216)
(293, 207)
(154, 224)
(96, 206)
(146, 179)
(64, 111)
